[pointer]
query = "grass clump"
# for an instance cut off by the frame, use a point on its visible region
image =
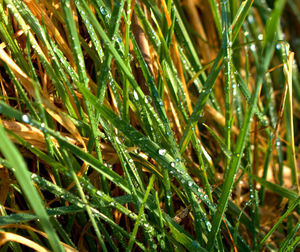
(149, 125)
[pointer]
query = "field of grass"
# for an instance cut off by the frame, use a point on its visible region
(149, 125)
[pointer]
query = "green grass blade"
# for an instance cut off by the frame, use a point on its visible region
(141, 213)
(15, 160)
(289, 238)
(241, 141)
(289, 210)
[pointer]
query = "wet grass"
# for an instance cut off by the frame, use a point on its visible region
(145, 126)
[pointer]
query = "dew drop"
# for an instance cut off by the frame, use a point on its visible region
(25, 118)
(278, 46)
(208, 226)
(172, 164)
(118, 140)
(250, 19)
(162, 152)
(253, 47)
(136, 96)
(148, 99)
(102, 10)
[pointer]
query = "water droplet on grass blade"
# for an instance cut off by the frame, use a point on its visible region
(148, 99)
(278, 46)
(208, 226)
(118, 140)
(25, 118)
(253, 47)
(102, 10)
(136, 96)
(162, 152)
(250, 19)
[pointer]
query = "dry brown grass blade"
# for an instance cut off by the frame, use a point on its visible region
(167, 16)
(281, 109)
(113, 101)
(209, 24)
(178, 61)
(143, 45)
(141, 41)
(11, 237)
(39, 12)
(66, 122)
(81, 244)
(219, 118)
(29, 133)
(180, 71)
(26, 82)
(35, 137)
(3, 90)
(32, 135)
(274, 68)
(170, 105)
(196, 22)
(176, 120)
(230, 236)
(181, 215)
(4, 185)
(199, 72)
(21, 76)
(22, 226)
